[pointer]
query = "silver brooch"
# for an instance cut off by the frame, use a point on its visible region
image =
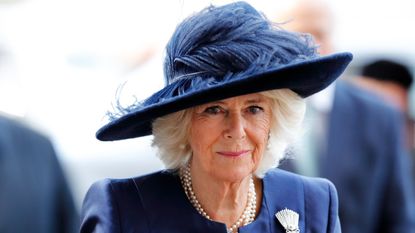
(289, 220)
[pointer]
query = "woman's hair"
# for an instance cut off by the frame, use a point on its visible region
(171, 132)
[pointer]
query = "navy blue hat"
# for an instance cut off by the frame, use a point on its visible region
(222, 52)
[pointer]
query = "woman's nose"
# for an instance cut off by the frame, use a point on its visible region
(235, 128)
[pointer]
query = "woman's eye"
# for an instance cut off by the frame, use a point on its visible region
(213, 110)
(255, 109)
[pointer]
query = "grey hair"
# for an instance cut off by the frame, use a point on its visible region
(171, 132)
(288, 110)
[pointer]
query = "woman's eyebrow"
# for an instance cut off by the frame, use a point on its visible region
(254, 101)
(215, 102)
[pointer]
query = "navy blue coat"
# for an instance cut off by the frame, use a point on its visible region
(367, 162)
(156, 203)
(34, 194)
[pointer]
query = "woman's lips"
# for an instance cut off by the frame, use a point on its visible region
(233, 153)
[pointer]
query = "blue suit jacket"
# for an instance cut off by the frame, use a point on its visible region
(367, 162)
(34, 195)
(157, 203)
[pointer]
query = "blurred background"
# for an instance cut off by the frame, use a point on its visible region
(62, 64)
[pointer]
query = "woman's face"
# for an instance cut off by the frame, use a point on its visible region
(228, 137)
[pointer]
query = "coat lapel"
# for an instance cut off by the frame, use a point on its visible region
(282, 191)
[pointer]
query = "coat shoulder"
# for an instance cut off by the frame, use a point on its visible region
(111, 204)
(313, 184)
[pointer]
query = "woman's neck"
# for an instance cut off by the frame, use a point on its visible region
(223, 200)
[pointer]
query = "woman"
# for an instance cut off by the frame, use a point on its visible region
(233, 100)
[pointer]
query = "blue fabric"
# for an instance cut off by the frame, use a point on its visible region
(366, 143)
(34, 194)
(157, 203)
(367, 162)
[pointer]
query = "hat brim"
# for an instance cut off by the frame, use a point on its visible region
(305, 78)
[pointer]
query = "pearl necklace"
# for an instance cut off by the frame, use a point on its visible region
(248, 214)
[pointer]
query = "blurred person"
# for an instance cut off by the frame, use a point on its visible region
(314, 17)
(355, 140)
(392, 81)
(234, 98)
(34, 194)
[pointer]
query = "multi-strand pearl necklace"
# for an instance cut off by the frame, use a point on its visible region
(247, 216)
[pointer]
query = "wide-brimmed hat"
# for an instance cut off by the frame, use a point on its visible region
(285, 60)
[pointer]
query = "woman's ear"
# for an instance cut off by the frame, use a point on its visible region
(268, 145)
